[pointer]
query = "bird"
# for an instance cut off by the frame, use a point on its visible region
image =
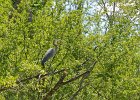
(50, 53)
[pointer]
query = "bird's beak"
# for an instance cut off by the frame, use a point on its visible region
(57, 42)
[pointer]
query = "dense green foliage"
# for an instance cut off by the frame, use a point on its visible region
(98, 56)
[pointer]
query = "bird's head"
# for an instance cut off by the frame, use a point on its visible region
(56, 42)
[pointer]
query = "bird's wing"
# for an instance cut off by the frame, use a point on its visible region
(50, 53)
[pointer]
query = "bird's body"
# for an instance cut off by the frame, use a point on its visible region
(49, 54)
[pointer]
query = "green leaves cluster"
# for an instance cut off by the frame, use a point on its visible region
(103, 43)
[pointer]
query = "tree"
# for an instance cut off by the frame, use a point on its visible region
(98, 57)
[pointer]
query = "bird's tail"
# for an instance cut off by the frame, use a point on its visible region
(43, 64)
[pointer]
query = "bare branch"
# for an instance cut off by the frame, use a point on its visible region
(114, 5)
(76, 93)
(75, 78)
(3, 88)
(105, 9)
(56, 87)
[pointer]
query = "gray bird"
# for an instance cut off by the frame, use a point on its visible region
(50, 53)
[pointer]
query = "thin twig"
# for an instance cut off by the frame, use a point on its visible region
(105, 9)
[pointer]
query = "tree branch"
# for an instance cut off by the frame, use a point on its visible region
(76, 93)
(56, 87)
(3, 88)
(75, 78)
(105, 9)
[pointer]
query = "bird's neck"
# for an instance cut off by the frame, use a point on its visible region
(56, 47)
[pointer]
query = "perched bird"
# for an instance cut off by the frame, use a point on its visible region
(50, 53)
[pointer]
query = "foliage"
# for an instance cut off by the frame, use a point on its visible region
(98, 57)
